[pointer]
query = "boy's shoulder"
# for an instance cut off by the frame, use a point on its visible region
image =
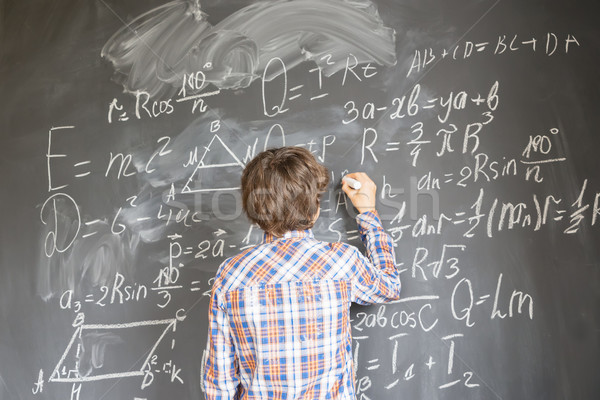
(257, 255)
(233, 264)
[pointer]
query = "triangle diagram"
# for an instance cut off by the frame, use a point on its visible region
(216, 166)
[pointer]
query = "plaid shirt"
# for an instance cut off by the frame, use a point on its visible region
(279, 315)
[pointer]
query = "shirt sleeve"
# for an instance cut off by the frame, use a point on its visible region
(376, 277)
(221, 369)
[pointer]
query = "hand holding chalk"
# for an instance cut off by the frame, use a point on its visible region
(361, 190)
(353, 183)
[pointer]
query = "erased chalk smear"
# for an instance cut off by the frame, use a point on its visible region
(154, 51)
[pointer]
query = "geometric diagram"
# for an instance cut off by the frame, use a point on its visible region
(71, 374)
(214, 160)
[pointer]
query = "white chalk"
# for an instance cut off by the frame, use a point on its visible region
(353, 183)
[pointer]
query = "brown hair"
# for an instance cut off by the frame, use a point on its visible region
(281, 187)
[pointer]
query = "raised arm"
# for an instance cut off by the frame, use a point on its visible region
(376, 278)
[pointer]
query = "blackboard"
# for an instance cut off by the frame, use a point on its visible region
(125, 127)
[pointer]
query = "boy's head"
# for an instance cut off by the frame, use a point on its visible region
(281, 187)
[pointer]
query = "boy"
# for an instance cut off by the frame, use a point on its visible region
(279, 315)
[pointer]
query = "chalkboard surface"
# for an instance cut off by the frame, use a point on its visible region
(125, 128)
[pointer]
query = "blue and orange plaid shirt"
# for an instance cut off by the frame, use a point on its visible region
(279, 315)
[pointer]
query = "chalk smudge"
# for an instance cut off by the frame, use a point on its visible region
(155, 50)
(92, 258)
(93, 348)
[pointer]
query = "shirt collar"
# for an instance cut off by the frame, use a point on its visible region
(269, 237)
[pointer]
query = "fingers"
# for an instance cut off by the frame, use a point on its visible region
(359, 176)
(362, 177)
(364, 198)
(348, 189)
